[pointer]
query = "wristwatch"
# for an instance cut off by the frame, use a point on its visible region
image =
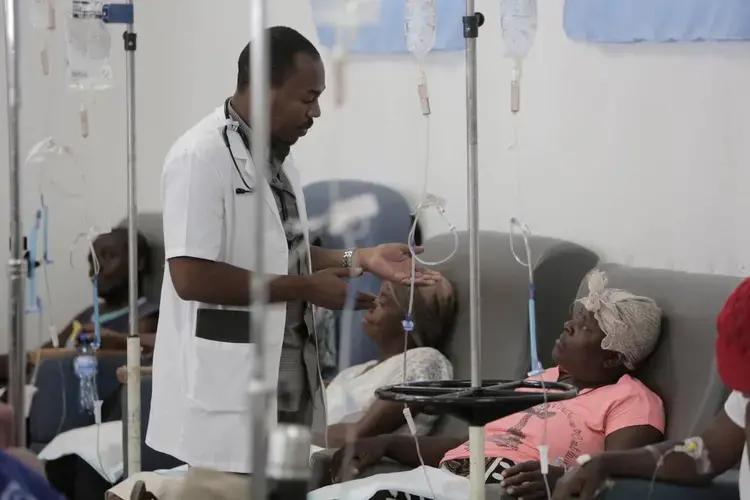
(348, 259)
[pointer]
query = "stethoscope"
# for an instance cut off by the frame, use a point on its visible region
(225, 135)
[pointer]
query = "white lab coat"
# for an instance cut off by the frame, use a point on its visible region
(200, 405)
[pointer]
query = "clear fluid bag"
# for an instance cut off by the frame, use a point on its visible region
(346, 13)
(420, 27)
(88, 46)
(518, 26)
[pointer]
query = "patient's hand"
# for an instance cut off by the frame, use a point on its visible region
(362, 454)
(525, 480)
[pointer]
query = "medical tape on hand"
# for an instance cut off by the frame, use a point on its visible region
(695, 448)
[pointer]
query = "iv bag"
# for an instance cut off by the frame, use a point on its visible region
(518, 25)
(42, 14)
(346, 13)
(420, 26)
(89, 43)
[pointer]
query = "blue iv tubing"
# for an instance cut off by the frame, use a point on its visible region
(34, 303)
(41, 223)
(97, 321)
(535, 365)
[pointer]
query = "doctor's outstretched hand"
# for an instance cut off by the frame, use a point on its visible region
(328, 289)
(392, 262)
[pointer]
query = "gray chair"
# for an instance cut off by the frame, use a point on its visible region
(559, 267)
(391, 225)
(682, 369)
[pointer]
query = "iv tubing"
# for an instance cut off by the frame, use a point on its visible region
(16, 262)
(259, 391)
(535, 365)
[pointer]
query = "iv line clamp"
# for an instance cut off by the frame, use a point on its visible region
(121, 13)
(472, 24)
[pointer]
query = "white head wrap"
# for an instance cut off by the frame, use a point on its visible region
(631, 324)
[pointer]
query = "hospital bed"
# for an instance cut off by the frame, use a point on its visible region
(680, 370)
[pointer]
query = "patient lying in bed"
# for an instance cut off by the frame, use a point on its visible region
(611, 332)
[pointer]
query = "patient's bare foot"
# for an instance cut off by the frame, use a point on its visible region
(141, 493)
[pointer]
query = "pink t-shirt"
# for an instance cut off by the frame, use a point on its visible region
(575, 427)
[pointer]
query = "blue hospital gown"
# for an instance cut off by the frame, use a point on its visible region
(18, 482)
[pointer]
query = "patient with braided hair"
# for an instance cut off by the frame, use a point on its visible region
(610, 333)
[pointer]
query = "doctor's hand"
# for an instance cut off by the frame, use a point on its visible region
(329, 289)
(392, 262)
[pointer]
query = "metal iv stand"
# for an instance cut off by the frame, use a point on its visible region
(472, 21)
(124, 14)
(17, 266)
(259, 391)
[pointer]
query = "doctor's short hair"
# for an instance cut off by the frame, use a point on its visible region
(434, 312)
(285, 43)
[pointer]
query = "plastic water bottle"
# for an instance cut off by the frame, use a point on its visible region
(518, 26)
(85, 365)
(420, 27)
(88, 43)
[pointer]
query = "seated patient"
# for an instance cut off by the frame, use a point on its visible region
(726, 441)
(352, 405)
(611, 332)
(112, 251)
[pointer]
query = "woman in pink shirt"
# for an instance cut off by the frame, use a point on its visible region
(610, 333)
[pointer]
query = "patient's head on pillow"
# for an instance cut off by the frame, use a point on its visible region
(433, 314)
(733, 340)
(611, 332)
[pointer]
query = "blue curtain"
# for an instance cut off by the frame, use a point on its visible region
(387, 37)
(631, 21)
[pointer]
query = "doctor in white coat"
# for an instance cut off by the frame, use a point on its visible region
(202, 359)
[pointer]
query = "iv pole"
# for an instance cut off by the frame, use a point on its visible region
(258, 391)
(134, 341)
(124, 14)
(472, 21)
(16, 264)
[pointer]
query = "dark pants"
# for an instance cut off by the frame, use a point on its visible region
(76, 479)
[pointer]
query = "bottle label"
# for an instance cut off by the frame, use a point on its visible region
(87, 9)
(85, 366)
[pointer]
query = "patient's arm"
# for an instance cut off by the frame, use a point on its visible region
(383, 417)
(403, 450)
(724, 441)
